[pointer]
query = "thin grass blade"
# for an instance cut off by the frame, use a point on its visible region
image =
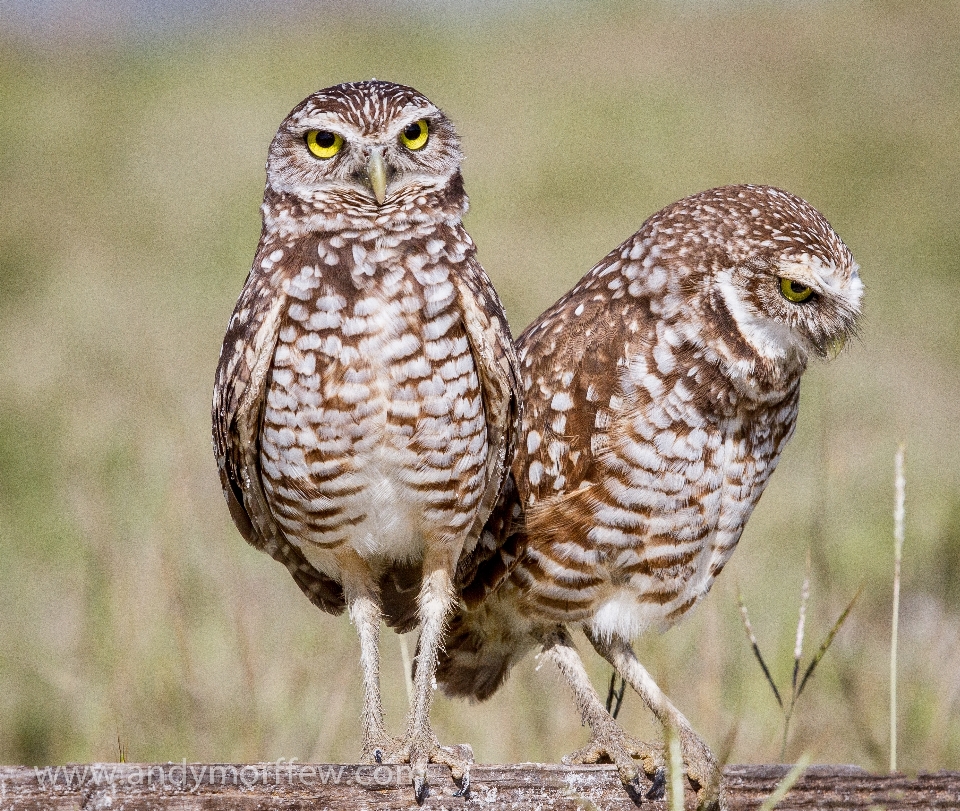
(828, 640)
(756, 648)
(786, 784)
(615, 695)
(675, 771)
(407, 669)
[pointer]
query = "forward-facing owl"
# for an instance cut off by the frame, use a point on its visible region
(658, 396)
(367, 392)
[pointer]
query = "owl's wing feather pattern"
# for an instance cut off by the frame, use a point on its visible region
(571, 361)
(238, 403)
(569, 350)
(489, 336)
(497, 550)
(583, 338)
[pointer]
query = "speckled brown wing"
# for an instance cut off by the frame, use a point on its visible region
(497, 550)
(578, 340)
(495, 356)
(238, 399)
(569, 364)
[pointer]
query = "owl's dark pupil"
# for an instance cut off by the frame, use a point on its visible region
(326, 139)
(413, 131)
(798, 288)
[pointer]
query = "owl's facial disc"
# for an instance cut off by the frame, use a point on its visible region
(367, 149)
(826, 316)
(789, 308)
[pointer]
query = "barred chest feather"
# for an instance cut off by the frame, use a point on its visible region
(696, 500)
(373, 430)
(636, 503)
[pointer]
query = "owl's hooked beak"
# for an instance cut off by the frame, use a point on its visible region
(835, 347)
(377, 173)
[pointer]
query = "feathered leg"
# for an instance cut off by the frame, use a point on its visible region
(608, 740)
(420, 745)
(364, 606)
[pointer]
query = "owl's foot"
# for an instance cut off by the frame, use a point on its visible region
(421, 749)
(611, 743)
(702, 768)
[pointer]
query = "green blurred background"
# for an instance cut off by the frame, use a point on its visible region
(131, 173)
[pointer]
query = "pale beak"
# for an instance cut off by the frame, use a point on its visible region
(835, 347)
(377, 172)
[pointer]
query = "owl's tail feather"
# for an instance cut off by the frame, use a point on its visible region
(480, 647)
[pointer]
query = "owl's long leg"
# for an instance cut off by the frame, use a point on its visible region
(607, 736)
(364, 608)
(700, 762)
(434, 604)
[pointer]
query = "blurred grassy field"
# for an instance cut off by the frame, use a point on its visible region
(131, 175)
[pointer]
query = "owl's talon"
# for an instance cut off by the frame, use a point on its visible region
(658, 787)
(635, 787)
(379, 748)
(464, 790)
(421, 788)
(419, 750)
(616, 746)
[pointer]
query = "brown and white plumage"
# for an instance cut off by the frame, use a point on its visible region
(367, 390)
(658, 396)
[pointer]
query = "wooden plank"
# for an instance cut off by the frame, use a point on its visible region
(285, 787)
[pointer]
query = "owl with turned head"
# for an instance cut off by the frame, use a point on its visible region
(367, 394)
(658, 396)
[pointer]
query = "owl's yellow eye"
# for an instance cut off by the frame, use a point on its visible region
(794, 291)
(323, 143)
(415, 135)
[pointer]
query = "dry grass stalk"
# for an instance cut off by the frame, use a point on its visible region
(675, 771)
(898, 532)
(407, 668)
(615, 694)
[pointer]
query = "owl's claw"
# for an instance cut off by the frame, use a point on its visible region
(378, 747)
(658, 788)
(464, 790)
(635, 788)
(614, 745)
(459, 758)
(421, 788)
(421, 750)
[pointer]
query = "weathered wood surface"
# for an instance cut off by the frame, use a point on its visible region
(269, 786)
